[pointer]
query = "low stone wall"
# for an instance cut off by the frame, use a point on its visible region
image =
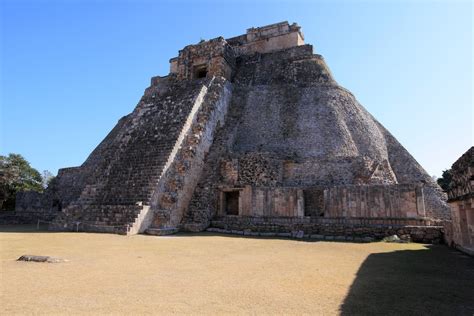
(356, 229)
(10, 218)
(118, 219)
(30, 207)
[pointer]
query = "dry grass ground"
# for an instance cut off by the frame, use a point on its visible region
(212, 274)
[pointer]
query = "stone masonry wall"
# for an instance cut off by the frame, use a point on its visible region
(366, 201)
(215, 56)
(461, 202)
(462, 172)
(29, 208)
(356, 229)
(372, 201)
(269, 202)
(267, 39)
(461, 225)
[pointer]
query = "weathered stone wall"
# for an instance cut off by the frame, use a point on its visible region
(461, 202)
(349, 170)
(218, 55)
(268, 38)
(270, 202)
(355, 229)
(462, 172)
(462, 225)
(215, 57)
(382, 201)
(368, 201)
(68, 185)
(29, 207)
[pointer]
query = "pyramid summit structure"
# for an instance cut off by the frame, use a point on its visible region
(249, 135)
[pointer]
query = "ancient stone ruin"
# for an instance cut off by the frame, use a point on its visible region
(460, 230)
(250, 135)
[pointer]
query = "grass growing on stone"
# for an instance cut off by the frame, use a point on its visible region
(217, 274)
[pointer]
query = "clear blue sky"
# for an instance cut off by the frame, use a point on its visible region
(71, 69)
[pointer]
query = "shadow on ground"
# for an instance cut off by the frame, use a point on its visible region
(434, 281)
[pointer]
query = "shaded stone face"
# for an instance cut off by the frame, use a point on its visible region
(461, 202)
(254, 126)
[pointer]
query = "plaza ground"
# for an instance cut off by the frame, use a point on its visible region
(218, 274)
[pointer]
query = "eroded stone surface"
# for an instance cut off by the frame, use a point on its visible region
(460, 230)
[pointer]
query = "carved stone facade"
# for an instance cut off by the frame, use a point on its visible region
(206, 59)
(251, 129)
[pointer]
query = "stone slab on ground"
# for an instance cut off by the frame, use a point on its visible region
(47, 259)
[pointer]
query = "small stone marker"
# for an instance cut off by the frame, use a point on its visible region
(40, 259)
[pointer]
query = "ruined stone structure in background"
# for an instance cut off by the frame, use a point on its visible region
(460, 230)
(251, 135)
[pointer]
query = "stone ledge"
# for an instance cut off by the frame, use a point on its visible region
(292, 235)
(341, 231)
(161, 231)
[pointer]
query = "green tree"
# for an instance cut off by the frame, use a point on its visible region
(445, 181)
(16, 175)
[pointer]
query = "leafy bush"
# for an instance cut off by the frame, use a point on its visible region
(16, 175)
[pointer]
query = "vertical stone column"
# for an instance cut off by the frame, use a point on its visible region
(300, 202)
(420, 201)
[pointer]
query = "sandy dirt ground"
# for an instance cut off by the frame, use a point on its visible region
(219, 274)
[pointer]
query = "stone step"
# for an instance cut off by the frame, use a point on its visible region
(161, 231)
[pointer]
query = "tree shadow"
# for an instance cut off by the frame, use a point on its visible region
(434, 281)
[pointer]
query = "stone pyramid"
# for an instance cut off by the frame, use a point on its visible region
(246, 133)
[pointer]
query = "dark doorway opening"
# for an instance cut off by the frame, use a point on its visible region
(314, 202)
(232, 203)
(57, 205)
(200, 72)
